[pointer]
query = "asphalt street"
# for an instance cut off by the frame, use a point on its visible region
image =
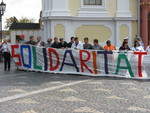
(33, 92)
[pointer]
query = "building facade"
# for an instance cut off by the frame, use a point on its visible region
(96, 19)
(26, 29)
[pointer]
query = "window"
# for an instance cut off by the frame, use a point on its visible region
(92, 2)
(93, 8)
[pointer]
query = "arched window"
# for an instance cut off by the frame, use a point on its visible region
(92, 2)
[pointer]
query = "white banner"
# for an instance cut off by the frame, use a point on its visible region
(86, 62)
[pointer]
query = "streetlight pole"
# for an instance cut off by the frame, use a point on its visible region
(2, 10)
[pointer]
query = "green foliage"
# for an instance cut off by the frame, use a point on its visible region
(11, 20)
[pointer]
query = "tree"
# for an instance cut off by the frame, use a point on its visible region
(11, 20)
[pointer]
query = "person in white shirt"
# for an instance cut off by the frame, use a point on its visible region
(77, 44)
(40, 43)
(6, 54)
(148, 49)
(137, 47)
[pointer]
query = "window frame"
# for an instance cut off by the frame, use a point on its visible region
(92, 7)
(101, 1)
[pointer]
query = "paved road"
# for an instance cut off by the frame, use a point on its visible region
(32, 92)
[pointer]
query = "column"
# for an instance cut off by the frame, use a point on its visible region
(123, 8)
(144, 26)
(60, 8)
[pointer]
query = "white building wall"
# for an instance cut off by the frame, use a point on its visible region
(27, 34)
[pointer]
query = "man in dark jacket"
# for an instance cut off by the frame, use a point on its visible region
(62, 44)
(55, 44)
(71, 42)
(31, 41)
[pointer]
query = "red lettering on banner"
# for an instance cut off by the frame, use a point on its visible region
(82, 61)
(53, 68)
(140, 62)
(94, 62)
(13, 47)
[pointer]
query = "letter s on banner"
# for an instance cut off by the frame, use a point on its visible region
(13, 47)
(51, 50)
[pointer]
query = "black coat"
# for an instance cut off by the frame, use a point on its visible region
(65, 45)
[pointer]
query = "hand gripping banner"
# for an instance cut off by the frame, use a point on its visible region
(86, 62)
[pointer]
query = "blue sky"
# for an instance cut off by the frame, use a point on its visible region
(19, 8)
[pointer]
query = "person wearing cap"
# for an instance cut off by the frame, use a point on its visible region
(49, 43)
(71, 42)
(62, 44)
(6, 54)
(40, 43)
(55, 44)
(31, 41)
(21, 40)
(109, 46)
(77, 44)
(126, 40)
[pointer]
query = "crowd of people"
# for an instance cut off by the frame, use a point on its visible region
(74, 44)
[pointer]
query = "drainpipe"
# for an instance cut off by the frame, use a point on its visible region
(139, 18)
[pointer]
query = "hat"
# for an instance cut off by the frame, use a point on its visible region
(21, 35)
(61, 39)
(126, 38)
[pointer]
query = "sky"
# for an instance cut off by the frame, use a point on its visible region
(19, 8)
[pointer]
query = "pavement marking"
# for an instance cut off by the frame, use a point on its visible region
(138, 109)
(26, 101)
(134, 89)
(68, 90)
(18, 91)
(128, 83)
(104, 90)
(5, 99)
(73, 99)
(116, 98)
(56, 82)
(20, 83)
(30, 111)
(147, 97)
(16, 74)
(95, 83)
(86, 110)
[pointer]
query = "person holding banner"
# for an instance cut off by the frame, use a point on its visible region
(55, 44)
(62, 44)
(31, 41)
(137, 47)
(125, 47)
(6, 54)
(49, 43)
(71, 42)
(21, 40)
(86, 44)
(77, 44)
(40, 43)
(148, 49)
(109, 46)
(96, 45)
